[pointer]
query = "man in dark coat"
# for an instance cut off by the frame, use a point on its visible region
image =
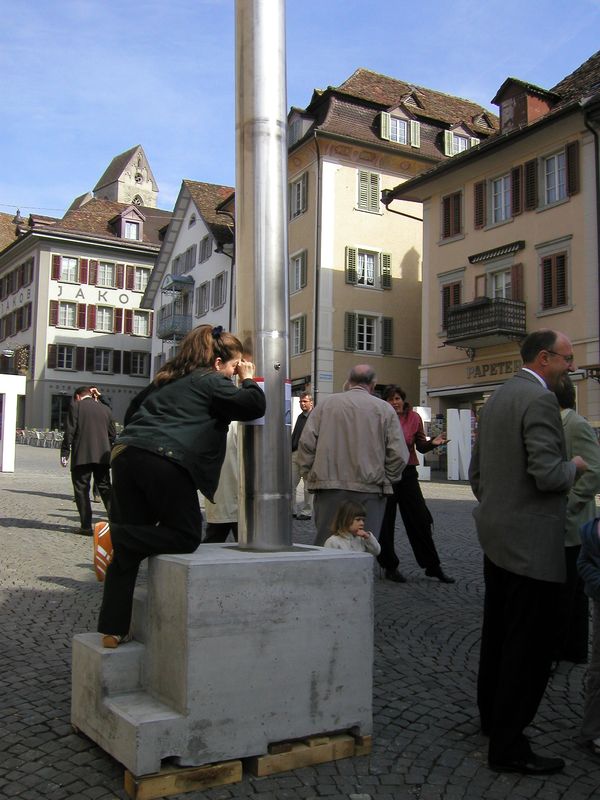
(89, 436)
(520, 475)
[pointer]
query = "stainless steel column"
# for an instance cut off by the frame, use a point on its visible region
(264, 521)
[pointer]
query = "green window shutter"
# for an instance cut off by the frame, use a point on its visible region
(363, 189)
(415, 133)
(303, 270)
(448, 142)
(305, 191)
(373, 191)
(302, 334)
(350, 330)
(386, 270)
(385, 125)
(351, 262)
(387, 337)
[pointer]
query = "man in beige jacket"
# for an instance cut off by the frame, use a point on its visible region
(352, 448)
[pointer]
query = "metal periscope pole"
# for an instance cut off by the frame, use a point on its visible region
(264, 521)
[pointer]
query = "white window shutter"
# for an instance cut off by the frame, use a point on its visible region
(385, 125)
(415, 133)
(474, 141)
(448, 142)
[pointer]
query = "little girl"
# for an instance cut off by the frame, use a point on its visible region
(348, 529)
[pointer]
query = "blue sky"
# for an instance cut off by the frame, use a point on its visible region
(84, 80)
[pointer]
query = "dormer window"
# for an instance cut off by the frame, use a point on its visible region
(132, 230)
(129, 224)
(400, 130)
(457, 142)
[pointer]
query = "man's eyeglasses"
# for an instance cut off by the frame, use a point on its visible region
(568, 359)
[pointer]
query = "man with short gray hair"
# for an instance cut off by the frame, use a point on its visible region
(352, 448)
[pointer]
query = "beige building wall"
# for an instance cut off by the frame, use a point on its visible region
(333, 222)
(448, 378)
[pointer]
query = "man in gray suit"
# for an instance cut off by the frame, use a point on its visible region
(89, 435)
(520, 476)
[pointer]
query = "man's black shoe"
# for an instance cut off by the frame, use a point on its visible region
(530, 765)
(439, 573)
(395, 576)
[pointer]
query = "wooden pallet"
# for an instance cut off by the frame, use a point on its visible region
(178, 780)
(285, 756)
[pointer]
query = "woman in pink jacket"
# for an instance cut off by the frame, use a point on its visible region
(407, 495)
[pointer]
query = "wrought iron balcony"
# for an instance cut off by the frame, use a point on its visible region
(174, 326)
(485, 322)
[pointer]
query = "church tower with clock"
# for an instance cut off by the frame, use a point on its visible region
(128, 179)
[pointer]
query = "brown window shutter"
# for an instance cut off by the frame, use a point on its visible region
(91, 317)
(128, 327)
(531, 187)
(55, 267)
(150, 320)
(547, 282)
(51, 363)
(516, 282)
(120, 277)
(129, 277)
(53, 312)
(572, 152)
(89, 359)
(126, 362)
(457, 213)
(118, 318)
(116, 365)
(516, 190)
(93, 273)
(80, 359)
(81, 315)
(83, 270)
(479, 204)
(446, 216)
(561, 278)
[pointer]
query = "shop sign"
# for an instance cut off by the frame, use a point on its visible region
(494, 368)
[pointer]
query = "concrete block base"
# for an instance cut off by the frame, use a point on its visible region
(234, 650)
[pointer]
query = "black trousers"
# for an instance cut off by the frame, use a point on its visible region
(81, 476)
(517, 642)
(155, 510)
(417, 520)
(572, 631)
(219, 531)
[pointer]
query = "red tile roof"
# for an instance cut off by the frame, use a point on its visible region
(207, 196)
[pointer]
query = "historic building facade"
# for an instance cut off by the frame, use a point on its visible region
(70, 292)
(511, 243)
(355, 268)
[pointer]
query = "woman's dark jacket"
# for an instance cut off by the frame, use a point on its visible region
(187, 419)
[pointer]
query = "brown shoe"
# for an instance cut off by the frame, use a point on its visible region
(113, 640)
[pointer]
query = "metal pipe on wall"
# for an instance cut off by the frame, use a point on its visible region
(264, 521)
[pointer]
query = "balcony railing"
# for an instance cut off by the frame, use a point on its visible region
(174, 326)
(485, 322)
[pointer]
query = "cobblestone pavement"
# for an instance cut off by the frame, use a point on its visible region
(426, 739)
